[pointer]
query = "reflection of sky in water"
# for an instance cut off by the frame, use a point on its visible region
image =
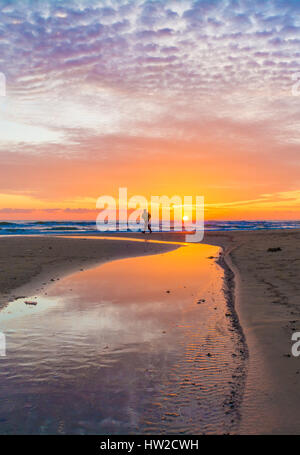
(109, 350)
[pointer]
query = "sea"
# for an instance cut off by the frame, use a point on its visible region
(89, 227)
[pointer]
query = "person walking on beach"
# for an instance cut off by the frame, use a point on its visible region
(146, 217)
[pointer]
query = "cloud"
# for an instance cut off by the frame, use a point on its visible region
(116, 82)
(8, 210)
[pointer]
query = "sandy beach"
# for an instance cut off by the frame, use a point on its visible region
(265, 293)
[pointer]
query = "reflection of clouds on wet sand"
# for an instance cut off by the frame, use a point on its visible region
(124, 347)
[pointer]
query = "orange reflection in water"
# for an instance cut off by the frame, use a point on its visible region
(150, 288)
(138, 345)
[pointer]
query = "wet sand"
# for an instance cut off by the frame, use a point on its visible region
(265, 292)
(142, 345)
(267, 300)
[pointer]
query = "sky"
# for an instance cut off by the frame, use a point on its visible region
(162, 97)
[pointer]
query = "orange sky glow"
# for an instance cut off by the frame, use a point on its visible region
(173, 98)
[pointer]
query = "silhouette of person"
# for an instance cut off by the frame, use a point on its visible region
(146, 217)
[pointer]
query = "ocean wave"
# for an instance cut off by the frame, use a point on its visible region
(64, 228)
(39, 227)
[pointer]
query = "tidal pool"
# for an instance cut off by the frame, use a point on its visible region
(139, 345)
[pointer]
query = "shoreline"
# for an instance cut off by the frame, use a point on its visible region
(174, 336)
(267, 297)
(229, 289)
(35, 283)
(260, 286)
